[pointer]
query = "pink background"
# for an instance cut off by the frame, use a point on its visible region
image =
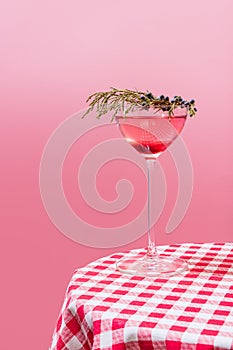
(53, 55)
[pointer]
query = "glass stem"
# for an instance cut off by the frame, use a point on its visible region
(151, 250)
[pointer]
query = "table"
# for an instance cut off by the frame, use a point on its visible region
(104, 309)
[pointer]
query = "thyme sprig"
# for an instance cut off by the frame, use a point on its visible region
(126, 100)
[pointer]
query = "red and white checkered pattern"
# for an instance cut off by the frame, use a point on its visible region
(104, 309)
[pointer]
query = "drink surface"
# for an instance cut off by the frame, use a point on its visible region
(150, 136)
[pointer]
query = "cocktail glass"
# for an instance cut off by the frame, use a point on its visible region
(151, 132)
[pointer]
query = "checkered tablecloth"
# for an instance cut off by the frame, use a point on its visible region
(104, 309)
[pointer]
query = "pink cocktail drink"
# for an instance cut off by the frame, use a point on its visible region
(149, 124)
(150, 136)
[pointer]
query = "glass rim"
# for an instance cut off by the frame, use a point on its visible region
(151, 112)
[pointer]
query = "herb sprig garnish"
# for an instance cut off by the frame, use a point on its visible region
(126, 100)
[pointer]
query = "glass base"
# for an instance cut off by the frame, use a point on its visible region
(153, 267)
